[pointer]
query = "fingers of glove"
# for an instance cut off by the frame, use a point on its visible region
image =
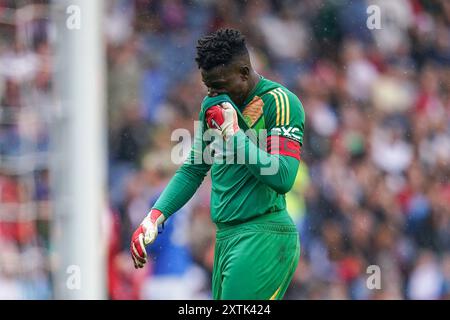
(228, 110)
(136, 254)
(135, 262)
(230, 114)
(140, 246)
(214, 117)
(226, 105)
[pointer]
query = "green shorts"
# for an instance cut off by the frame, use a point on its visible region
(255, 260)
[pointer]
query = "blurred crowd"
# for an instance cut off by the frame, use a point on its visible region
(373, 188)
(25, 102)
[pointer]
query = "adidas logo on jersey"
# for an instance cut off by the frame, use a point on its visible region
(288, 132)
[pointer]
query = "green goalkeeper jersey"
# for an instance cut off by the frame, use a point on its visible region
(241, 191)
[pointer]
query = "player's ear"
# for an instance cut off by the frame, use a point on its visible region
(245, 72)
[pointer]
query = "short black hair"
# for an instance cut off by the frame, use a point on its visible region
(220, 48)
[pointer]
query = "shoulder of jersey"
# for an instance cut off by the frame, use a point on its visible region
(280, 100)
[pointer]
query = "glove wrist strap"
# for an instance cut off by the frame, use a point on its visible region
(156, 217)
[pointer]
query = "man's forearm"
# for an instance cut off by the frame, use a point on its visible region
(278, 171)
(180, 189)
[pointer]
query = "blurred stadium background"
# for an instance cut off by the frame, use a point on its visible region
(373, 187)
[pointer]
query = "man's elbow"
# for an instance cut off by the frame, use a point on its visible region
(283, 188)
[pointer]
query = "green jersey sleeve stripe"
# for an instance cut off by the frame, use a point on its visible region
(277, 105)
(283, 107)
(287, 107)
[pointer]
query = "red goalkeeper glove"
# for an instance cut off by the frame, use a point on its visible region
(144, 235)
(223, 117)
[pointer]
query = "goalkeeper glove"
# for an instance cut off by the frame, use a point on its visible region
(223, 117)
(144, 235)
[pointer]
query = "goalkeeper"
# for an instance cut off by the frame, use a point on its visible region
(257, 244)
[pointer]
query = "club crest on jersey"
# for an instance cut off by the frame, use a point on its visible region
(288, 132)
(248, 120)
